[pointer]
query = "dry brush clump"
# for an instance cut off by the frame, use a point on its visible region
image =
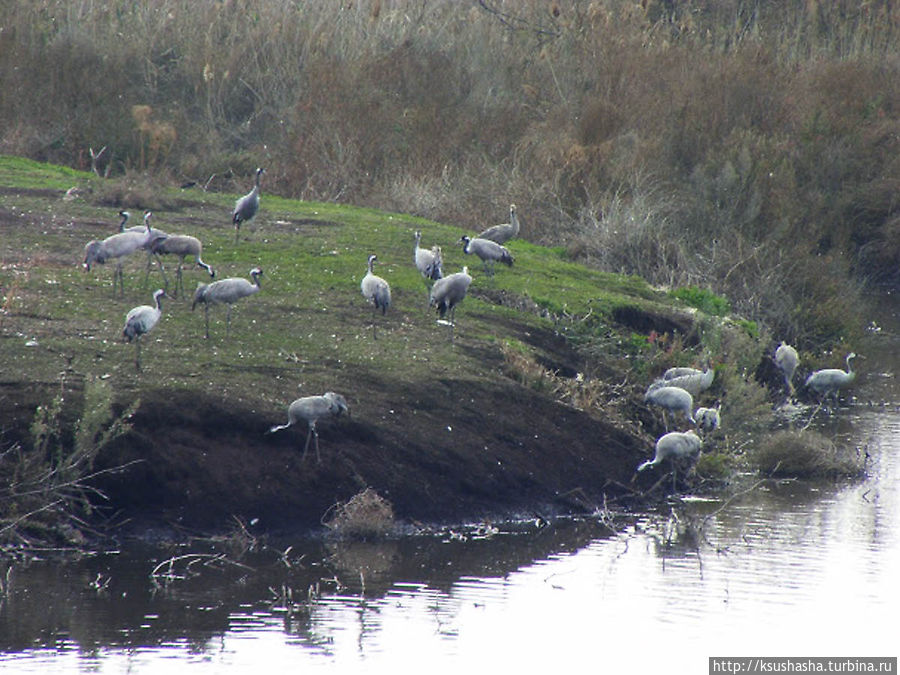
(366, 514)
(806, 454)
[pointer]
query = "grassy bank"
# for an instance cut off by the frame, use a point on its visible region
(537, 404)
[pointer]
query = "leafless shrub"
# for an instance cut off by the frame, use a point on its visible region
(47, 490)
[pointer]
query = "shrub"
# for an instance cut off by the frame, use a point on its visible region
(704, 300)
(805, 454)
(47, 489)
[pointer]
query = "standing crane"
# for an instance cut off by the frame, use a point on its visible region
(827, 382)
(673, 399)
(708, 419)
(489, 252)
(140, 321)
(787, 360)
(501, 234)
(675, 446)
(115, 247)
(310, 409)
(227, 291)
(428, 262)
(375, 290)
(246, 207)
(691, 380)
(448, 292)
(181, 245)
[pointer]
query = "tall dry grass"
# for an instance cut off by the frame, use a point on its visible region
(749, 146)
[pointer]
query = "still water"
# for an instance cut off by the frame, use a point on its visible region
(788, 569)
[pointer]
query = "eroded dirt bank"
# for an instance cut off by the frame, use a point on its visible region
(447, 452)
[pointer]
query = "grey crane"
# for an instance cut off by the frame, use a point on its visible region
(124, 215)
(151, 233)
(787, 359)
(115, 247)
(672, 399)
(827, 381)
(693, 382)
(489, 252)
(151, 236)
(708, 419)
(310, 409)
(501, 234)
(448, 292)
(675, 446)
(246, 207)
(181, 245)
(226, 291)
(428, 262)
(140, 320)
(375, 290)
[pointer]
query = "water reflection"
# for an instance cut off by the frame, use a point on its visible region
(789, 568)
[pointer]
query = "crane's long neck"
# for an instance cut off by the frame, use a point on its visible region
(850, 357)
(159, 302)
(514, 221)
(125, 216)
(371, 265)
(255, 276)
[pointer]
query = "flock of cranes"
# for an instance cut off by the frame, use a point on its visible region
(674, 392)
(445, 292)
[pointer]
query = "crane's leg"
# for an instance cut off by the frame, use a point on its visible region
(237, 231)
(227, 321)
(117, 278)
(309, 433)
(374, 318)
(137, 358)
(206, 313)
(179, 281)
(162, 270)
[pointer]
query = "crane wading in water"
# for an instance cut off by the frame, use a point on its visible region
(675, 446)
(310, 409)
(227, 291)
(140, 321)
(828, 381)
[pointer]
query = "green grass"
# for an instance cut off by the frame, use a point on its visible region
(308, 326)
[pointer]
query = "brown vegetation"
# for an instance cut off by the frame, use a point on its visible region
(748, 147)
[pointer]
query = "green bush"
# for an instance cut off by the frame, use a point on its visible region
(704, 300)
